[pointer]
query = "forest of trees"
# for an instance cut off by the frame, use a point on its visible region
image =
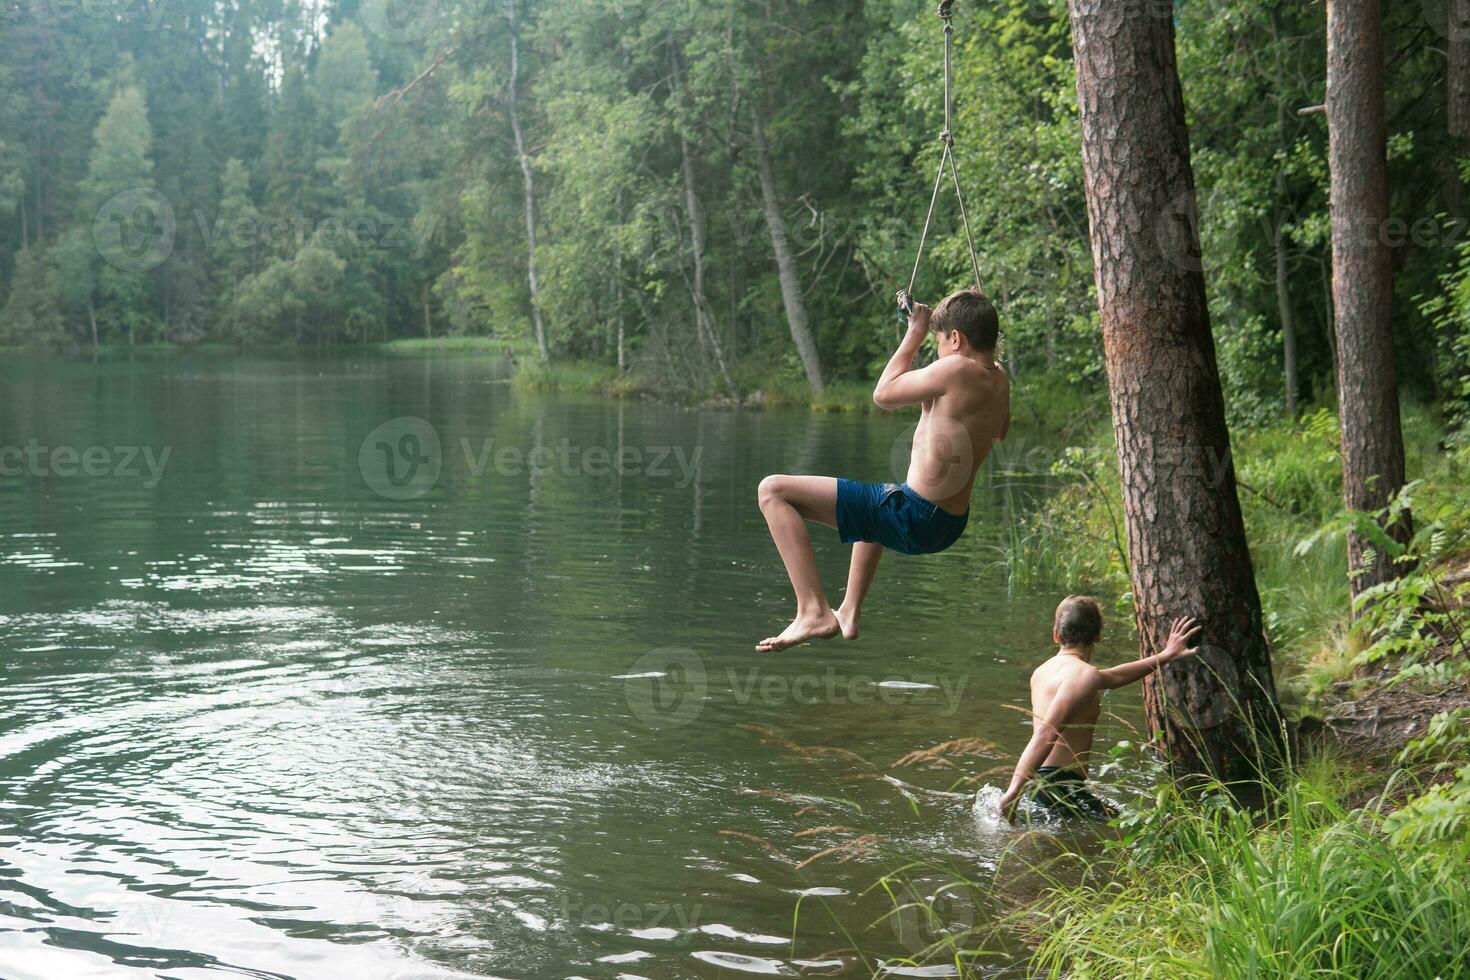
(714, 194)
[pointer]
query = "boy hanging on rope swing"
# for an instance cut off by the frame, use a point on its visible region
(964, 398)
(965, 409)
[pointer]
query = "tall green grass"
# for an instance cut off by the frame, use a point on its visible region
(1289, 479)
(534, 374)
(519, 346)
(1208, 890)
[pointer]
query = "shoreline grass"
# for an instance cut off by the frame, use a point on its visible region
(1311, 887)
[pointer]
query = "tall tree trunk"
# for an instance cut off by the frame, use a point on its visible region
(528, 181)
(1186, 540)
(1457, 93)
(1283, 281)
(796, 317)
(703, 314)
(1288, 322)
(616, 298)
(1362, 277)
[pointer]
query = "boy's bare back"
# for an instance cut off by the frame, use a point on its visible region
(1066, 699)
(1074, 741)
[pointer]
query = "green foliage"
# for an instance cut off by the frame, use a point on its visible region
(32, 311)
(343, 118)
(1440, 817)
(1411, 622)
(1200, 887)
(1449, 311)
(1289, 479)
(117, 200)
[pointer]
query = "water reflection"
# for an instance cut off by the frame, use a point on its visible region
(260, 718)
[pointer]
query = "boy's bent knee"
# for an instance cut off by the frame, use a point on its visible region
(771, 490)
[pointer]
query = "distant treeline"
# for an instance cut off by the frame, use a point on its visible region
(717, 194)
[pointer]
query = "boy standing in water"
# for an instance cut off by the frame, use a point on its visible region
(1066, 697)
(964, 398)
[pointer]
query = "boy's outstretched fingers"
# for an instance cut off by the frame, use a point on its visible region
(1183, 631)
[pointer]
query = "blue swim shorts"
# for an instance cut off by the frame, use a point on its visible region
(895, 516)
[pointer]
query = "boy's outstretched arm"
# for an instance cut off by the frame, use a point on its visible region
(1175, 648)
(900, 384)
(1045, 734)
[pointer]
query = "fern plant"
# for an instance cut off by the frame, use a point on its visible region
(1440, 817)
(1413, 623)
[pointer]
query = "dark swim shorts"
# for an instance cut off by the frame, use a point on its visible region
(1064, 793)
(895, 516)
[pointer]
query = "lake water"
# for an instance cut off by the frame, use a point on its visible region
(375, 666)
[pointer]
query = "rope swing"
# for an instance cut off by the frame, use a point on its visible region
(905, 296)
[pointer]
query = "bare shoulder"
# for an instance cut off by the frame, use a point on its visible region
(1083, 675)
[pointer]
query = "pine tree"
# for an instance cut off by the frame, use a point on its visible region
(1186, 536)
(132, 225)
(32, 312)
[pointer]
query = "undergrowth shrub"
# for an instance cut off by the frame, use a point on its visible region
(1200, 887)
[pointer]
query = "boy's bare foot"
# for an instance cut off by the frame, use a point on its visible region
(848, 620)
(823, 626)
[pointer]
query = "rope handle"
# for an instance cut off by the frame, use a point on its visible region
(946, 137)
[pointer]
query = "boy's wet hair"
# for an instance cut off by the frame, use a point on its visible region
(972, 314)
(1079, 621)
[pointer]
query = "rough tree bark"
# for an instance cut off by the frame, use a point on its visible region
(1362, 277)
(528, 181)
(791, 296)
(1186, 540)
(1457, 91)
